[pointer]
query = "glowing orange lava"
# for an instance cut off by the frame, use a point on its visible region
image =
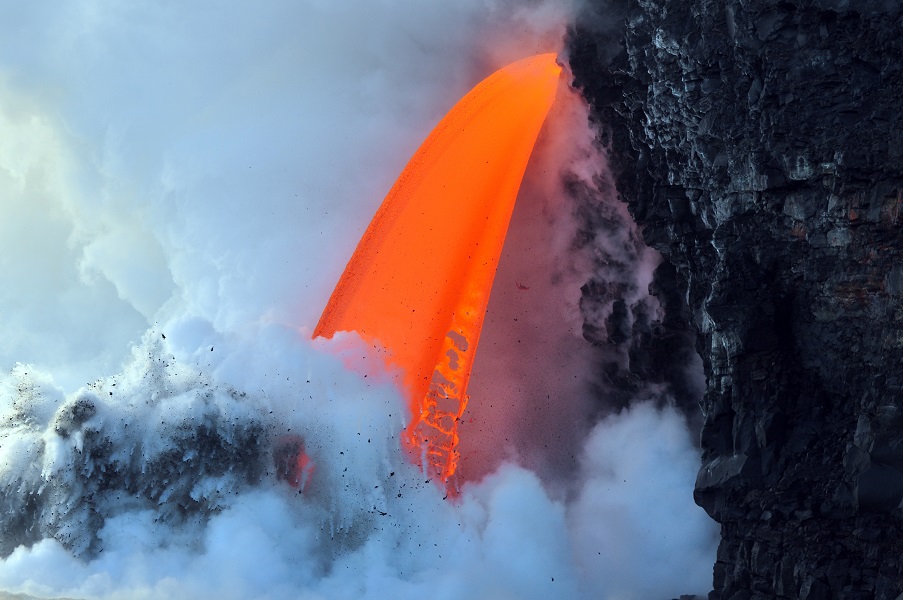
(292, 462)
(419, 281)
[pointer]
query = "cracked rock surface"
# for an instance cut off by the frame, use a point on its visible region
(759, 144)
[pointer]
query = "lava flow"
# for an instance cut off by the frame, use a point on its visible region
(419, 281)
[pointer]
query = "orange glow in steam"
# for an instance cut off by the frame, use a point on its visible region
(419, 281)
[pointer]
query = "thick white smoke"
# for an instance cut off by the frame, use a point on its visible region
(202, 171)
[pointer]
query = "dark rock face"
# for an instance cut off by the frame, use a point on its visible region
(646, 342)
(760, 146)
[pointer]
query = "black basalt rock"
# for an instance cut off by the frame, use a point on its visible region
(759, 144)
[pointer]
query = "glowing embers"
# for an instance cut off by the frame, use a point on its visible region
(292, 462)
(419, 281)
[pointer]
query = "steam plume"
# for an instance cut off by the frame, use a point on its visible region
(203, 172)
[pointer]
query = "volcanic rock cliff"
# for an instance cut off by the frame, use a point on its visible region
(759, 144)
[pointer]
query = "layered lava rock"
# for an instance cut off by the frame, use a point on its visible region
(760, 146)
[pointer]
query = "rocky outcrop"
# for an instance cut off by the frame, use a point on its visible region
(759, 144)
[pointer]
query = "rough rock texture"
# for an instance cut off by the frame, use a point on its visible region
(760, 146)
(642, 330)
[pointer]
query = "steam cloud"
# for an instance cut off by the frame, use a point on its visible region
(202, 172)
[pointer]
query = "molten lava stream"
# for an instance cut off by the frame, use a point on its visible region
(419, 281)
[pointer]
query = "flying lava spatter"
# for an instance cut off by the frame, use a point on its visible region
(419, 281)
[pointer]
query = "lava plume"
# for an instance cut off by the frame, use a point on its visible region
(419, 281)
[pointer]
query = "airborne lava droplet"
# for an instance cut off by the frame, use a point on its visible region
(419, 280)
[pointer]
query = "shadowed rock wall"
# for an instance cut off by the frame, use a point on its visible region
(760, 146)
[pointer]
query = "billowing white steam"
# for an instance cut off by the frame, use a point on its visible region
(202, 171)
